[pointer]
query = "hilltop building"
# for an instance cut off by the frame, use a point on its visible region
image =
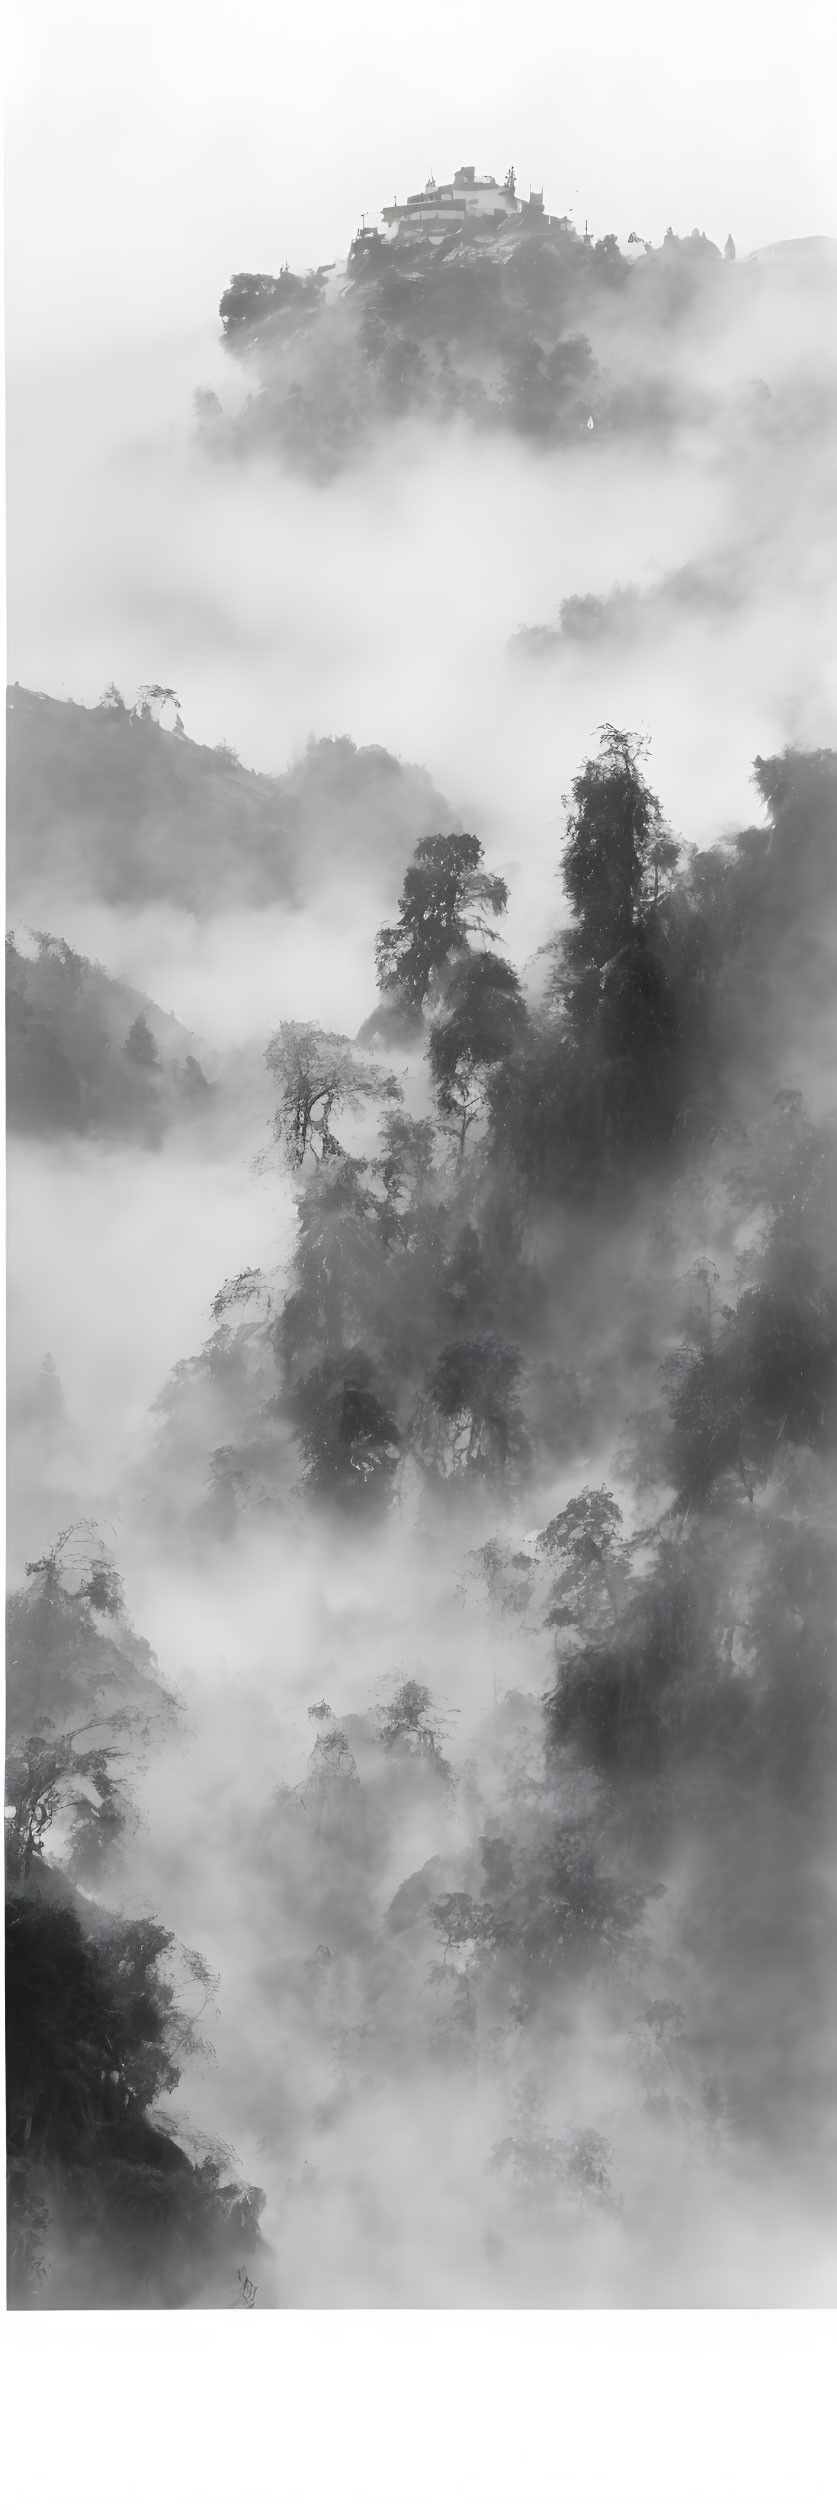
(472, 209)
(443, 207)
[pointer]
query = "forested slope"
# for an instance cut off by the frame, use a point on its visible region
(111, 804)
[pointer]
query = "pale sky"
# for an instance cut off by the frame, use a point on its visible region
(154, 146)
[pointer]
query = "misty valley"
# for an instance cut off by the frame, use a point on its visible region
(420, 1782)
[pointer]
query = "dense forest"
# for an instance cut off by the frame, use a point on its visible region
(538, 1915)
(515, 325)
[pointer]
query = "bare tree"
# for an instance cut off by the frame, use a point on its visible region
(317, 1075)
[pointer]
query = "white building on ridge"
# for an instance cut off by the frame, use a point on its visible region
(444, 206)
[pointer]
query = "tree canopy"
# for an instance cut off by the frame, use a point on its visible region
(446, 897)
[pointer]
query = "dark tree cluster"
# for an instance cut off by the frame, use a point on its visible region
(582, 1244)
(426, 1329)
(617, 1067)
(390, 1263)
(693, 1688)
(105, 2207)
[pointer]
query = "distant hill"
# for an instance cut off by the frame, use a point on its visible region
(119, 808)
(512, 323)
(481, 326)
(796, 250)
(86, 1054)
(710, 590)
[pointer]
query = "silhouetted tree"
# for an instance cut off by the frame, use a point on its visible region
(195, 1083)
(332, 1769)
(348, 1435)
(446, 897)
(95, 2035)
(480, 1019)
(84, 1702)
(605, 1075)
(140, 1045)
(619, 856)
(405, 1167)
(409, 1725)
(473, 1394)
(582, 1546)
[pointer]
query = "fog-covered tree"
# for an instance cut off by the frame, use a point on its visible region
(254, 299)
(769, 1375)
(481, 1017)
(84, 1704)
(349, 1439)
(151, 703)
(105, 2206)
(619, 1694)
(96, 2032)
(318, 1076)
(43, 1091)
(472, 1419)
(619, 856)
(409, 1724)
(548, 393)
(447, 897)
(195, 1083)
(405, 1165)
(332, 1769)
(617, 1068)
(140, 1045)
(583, 1550)
(339, 1279)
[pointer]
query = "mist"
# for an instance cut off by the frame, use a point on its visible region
(438, 1383)
(380, 605)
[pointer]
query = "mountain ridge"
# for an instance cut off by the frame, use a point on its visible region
(134, 812)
